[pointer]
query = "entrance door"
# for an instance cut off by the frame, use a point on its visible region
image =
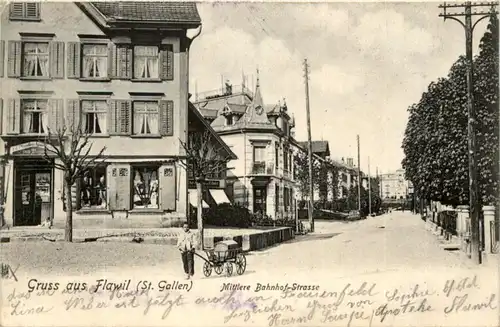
(259, 200)
(33, 200)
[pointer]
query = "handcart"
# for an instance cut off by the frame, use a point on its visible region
(224, 255)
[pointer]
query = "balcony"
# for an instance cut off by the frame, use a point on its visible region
(213, 94)
(263, 168)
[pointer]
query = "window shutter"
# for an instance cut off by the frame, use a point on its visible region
(32, 10)
(16, 10)
(167, 62)
(14, 61)
(168, 188)
(1, 117)
(111, 60)
(119, 187)
(57, 59)
(166, 117)
(14, 117)
(111, 117)
(56, 115)
(124, 116)
(124, 62)
(74, 59)
(2, 54)
(72, 114)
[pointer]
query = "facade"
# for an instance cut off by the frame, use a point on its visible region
(394, 185)
(261, 137)
(118, 70)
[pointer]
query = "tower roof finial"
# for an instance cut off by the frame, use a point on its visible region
(257, 76)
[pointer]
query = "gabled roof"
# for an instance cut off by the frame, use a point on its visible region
(149, 11)
(317, 146)
(149, 14)
(199, 116)
(208, 113)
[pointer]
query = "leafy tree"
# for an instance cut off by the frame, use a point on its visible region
(436, 138)
(72, 149)
(301, 161)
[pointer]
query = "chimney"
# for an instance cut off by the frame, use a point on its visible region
(350, 162)
(343, 161)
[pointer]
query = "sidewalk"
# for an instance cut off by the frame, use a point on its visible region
(149, 235)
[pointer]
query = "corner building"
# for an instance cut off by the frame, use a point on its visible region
(121, 69)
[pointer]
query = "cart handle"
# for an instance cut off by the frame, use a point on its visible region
(201, 257)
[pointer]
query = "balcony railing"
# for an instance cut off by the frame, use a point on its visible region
(223, 92)
(261, 168)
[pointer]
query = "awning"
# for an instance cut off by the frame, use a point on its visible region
(219, 196)
(193, 199)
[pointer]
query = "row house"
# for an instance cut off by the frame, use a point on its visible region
(261, 136)
(119, 71)
(347, 172)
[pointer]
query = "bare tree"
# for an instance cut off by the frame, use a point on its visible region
(204, 159)
(73, 148)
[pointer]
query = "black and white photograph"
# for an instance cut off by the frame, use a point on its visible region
(241, 163)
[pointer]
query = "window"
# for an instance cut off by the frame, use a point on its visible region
(277, 198)
(93, 188)
(95, 116)
(146, 118)
(25, 11)
(146, 62)
(277, 154)
(95, 61)
(146, 187)
(229, 120)
(36, 59)
(35, 116)
(259, 157)
(285, 159)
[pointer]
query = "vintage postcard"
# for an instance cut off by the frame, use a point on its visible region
(170, 163)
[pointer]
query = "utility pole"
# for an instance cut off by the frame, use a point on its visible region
(474, 198)
(311, 186)
(369, 189)
(360, 180)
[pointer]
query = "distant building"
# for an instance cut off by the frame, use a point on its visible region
(394, 185)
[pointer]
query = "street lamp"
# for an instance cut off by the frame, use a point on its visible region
(474, 203)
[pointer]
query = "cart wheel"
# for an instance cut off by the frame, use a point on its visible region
(241, 263)
(218, 269)
(207, 269)
(229, 269)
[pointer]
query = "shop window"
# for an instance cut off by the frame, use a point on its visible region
(93, 188)
(146, 187)
(95, 116)
(36, 59)
(35, 116)
(95, 61)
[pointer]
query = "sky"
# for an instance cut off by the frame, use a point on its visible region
(368, 63)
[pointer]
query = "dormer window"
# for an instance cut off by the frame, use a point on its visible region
(229, 120)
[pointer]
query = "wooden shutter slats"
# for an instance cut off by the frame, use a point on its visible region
(111, 60)
(2, 118)
(2, 56)
(73, 115)
(168, 187)
(56, 115)
(32, 10)
(166, 117)
(14, 59)
(167, 62)
(74, 59)
(14, 116)
(57, 59)
(16, 10)
(124, 62)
